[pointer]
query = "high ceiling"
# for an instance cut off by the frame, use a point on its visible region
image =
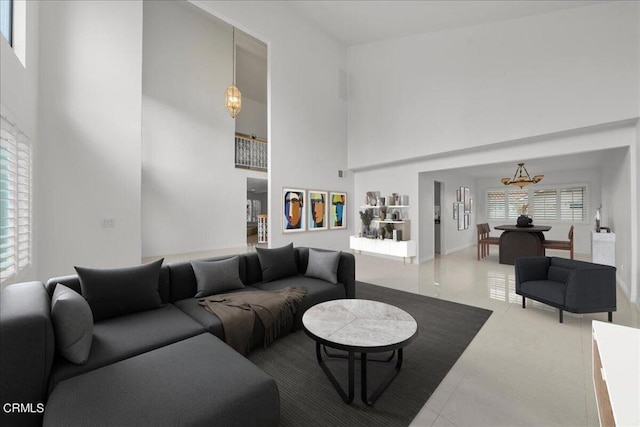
(585, 160)
(357, 22)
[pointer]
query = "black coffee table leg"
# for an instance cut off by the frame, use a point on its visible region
(348, 398)
(369, 400)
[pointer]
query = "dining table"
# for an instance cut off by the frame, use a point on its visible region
(520, 241)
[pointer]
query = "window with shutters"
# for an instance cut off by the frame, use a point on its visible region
(517, 198)
(15, 198)
(573, 204)
(545, 204)
(562, 203)
(496, 204)
(506, 204)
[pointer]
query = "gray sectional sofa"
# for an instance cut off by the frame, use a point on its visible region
(164, 365)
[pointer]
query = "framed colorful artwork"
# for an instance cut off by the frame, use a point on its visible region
(338, 210)
(317, 210)
(293, 203)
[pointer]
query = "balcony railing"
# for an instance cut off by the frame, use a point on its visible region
(251, 153)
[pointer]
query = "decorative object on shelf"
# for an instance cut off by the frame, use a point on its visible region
(383, 211)
(337, 215)
(372, 198)
(293, 207)
(389, 227)
(598, 217)
(366, 216)
(233, 97)
(317, 210)
(524, 220)
(520, 180)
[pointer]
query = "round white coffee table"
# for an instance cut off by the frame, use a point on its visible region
(359, 326)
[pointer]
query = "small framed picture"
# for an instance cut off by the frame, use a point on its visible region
(337, 210)
(318, 210)
(293, 203)
(467, 198)
(461, 215)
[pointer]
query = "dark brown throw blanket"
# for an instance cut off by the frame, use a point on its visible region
(237, 312)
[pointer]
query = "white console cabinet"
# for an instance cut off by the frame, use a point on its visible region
(616, 373)
(404, 249)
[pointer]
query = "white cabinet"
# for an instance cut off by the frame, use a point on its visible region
(404, 249)
(616, 373)
(603, 248)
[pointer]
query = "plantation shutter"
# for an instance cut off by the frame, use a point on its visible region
(15, 199)
(573, 204)
(545, 204)
(495, 205)
(517, 198)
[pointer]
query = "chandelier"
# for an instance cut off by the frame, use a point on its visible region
(233, 97)
(522, 178)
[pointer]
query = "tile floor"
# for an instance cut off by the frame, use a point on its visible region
(523, 368)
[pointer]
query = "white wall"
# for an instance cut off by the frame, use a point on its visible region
(252, 119)
(307, 117)
(618, 211)
(89, 127)
(19, 94)
(193, 197)
(251, 77)
(470, 87)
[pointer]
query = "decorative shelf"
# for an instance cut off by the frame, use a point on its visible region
(391, 221)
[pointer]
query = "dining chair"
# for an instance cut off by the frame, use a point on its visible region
(566, 245)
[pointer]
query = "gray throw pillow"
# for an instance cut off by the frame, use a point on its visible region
(277, 263)
(73, 324)
(215, 277)
(323, 265)
(113, 292)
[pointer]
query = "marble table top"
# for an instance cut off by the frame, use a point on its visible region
(359, 323)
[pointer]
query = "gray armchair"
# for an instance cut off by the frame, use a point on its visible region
(569, 285)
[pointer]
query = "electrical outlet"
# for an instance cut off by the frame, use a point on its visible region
(108, 223)
(621, 268)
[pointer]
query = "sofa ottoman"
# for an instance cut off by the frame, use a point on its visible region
(188, 383)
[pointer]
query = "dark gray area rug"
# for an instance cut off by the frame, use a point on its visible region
(307, 398)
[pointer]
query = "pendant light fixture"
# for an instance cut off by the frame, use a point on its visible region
(233, 97)
(520, 180)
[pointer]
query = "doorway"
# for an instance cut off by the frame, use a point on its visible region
(257, 204)
(437, 230)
